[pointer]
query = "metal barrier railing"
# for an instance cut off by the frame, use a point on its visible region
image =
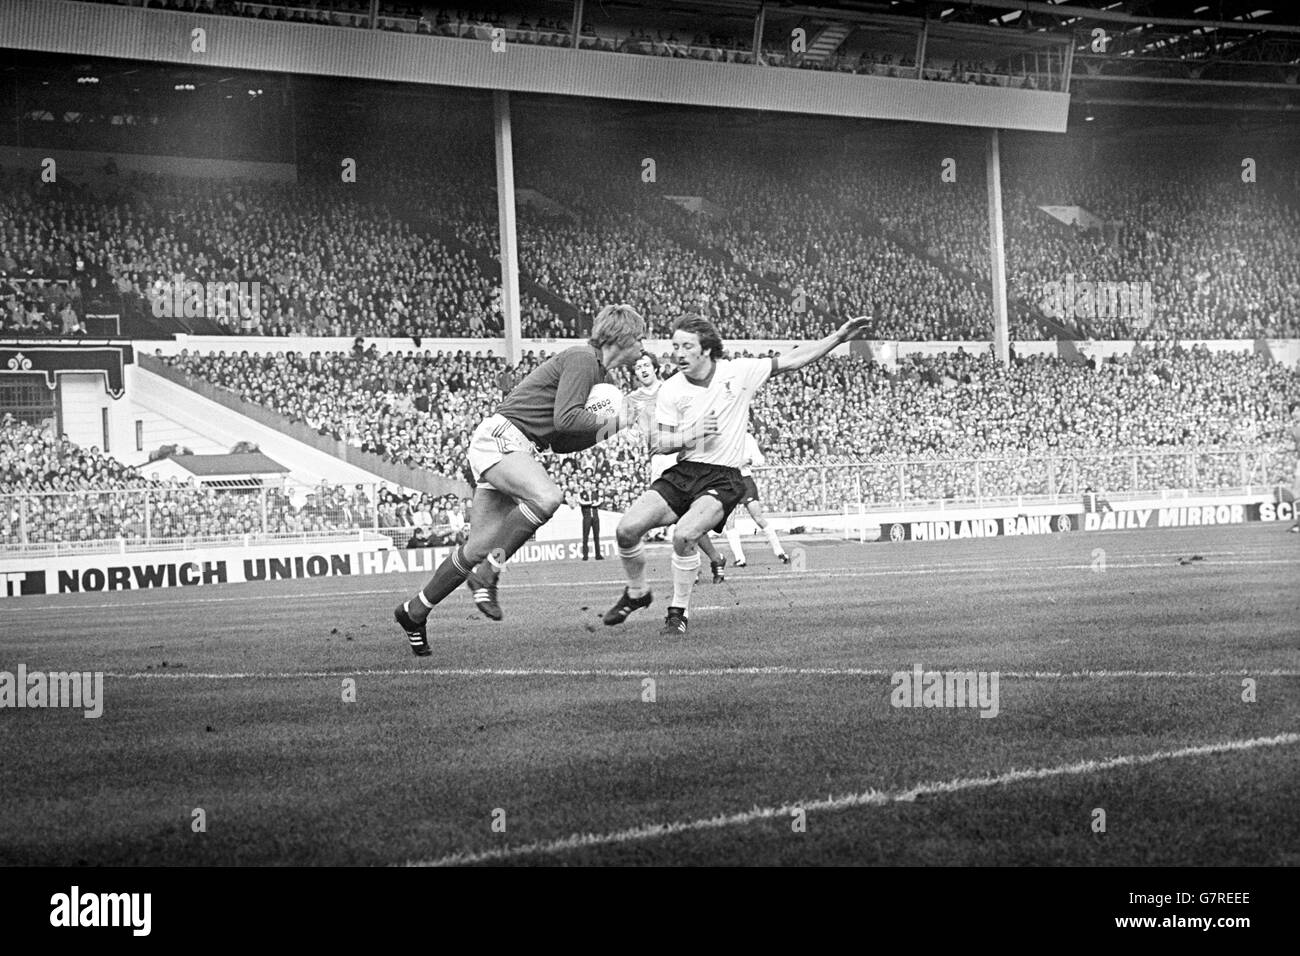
(819, 489)
(160, 518)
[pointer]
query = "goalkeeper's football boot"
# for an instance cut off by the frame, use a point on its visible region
(485, 594)
(674, 623)
(716, 567)
(416, 634)
(625, 606)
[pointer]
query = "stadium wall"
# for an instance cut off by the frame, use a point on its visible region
(64, 26)
(209, 344)
(174, 402)
(90, 381)
(97, 573)
(149, 570)
(1147, 513)
(24, 575)
(884, 352)
(87, 411)
(294, 439)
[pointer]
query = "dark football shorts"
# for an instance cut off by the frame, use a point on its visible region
(751, 490)
(685, 482)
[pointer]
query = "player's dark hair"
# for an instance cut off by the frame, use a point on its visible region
(646, 354)
(710, 340)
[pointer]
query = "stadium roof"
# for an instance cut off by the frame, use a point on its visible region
(1193, 60)
(1201, 54)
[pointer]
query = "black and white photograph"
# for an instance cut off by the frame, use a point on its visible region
(607, 433)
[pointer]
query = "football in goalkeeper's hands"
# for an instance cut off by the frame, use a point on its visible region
(604, 399)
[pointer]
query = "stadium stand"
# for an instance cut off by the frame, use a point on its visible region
(54, 493)
(419, 408)
(792, 253)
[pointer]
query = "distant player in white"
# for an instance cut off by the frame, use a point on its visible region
(1294, 409)
(643, 397)
(702, 414)
(646, 372)
(753, 457)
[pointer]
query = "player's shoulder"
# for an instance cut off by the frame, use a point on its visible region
(583, 355)
(582, 360)
(673, 386)
(742, 366)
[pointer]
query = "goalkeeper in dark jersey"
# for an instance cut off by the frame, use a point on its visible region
(514, 496)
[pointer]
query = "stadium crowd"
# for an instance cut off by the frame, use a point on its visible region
(1163, 417)
(420, 409)
(784, 253)
(321, 264)
(1124, 424)
(53, 491)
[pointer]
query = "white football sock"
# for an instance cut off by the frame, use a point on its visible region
(774, 541)
(733, 539)
(633, 559)
(684, 570)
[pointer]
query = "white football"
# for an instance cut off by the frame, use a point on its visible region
(604, 399)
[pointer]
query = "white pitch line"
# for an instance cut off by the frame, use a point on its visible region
(516, 584)
(619, 672)
(867, 798)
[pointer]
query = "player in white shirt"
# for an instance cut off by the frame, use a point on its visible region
(702, 414)
(646, 372)
(1294, 410)
(753, 456)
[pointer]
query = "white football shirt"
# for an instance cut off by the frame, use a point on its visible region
(682, 405)
(753, 456)
(645, 397)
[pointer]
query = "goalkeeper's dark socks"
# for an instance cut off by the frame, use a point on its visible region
(447, 578)
(485, 573)
(520, 524)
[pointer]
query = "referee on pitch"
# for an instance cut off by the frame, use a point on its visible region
(589, 502)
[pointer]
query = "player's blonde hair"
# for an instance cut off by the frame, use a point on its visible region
(619, 325)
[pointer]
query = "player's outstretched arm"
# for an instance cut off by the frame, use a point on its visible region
(797, 358)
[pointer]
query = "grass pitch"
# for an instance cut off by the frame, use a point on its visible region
(771, 738)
